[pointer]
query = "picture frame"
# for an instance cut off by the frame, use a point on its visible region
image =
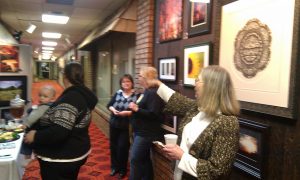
(9, 59)
(252, 153)
(196, 57)
(170, 123)
(277, 77)
(167, 69)
(199, 18)
(170, 20)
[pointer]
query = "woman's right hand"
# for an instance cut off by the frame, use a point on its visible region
(113, 110)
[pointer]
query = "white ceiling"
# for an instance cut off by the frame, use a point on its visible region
(84, 15)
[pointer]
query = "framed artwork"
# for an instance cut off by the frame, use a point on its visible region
(9, 58)
(170, 20)
(199, 17)
(196, 57)
(167, 69)
(170, 123)
(252, 151)
(261, 54)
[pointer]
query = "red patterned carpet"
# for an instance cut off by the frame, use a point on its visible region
(97, 166)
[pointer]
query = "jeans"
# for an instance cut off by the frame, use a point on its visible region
(140, 159)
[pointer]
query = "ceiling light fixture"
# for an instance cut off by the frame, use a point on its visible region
(49, 43)
(48, 48)
(57, 19)
(51, 35)
(47, 52)
(31, 28)
(200, 1)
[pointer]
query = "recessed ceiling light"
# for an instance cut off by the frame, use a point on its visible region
(49, 43)
(201, 1)
(51, 35)
(47, 52)
(48, 48)
(57, 19)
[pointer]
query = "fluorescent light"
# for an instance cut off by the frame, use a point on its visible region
(48, 48)
(49, 43)
(47, 52)
(201, 1)
(31, 28)
(51, 35)
(46, 56)
(57, 19)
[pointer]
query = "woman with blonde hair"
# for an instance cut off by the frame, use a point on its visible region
(209, 130)
(146, 122)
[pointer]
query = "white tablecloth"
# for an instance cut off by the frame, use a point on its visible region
(10, 168)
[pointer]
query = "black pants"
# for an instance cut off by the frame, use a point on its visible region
(119, 148)
(60, 171)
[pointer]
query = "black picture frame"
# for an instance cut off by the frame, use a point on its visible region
(252, 153)
(167, 69)
(195, 57)
(170, 123)
(199, 18)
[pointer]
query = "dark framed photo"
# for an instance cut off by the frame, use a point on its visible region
(199, 17)
(170, 20)
(251, 156)
(196, 57)
(170, 123)
(167, 69)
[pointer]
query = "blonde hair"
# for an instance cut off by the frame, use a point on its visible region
(148, 72)
(218, 92)
(49, 88)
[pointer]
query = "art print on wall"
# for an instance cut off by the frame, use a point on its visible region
(170, 123)
(199, 17)
(9, 58)
(196, 57)
(170, 20)
(252, 151)
(167, 69)
(257, 52)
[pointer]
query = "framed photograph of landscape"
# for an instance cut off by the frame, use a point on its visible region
(251, 156)
(196, 57)
(260, 54)
(199, 17)
(170, 20)
(167, 69)
(170, 123)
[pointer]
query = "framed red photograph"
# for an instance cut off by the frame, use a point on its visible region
(170, 20)
(199, 17)
(9, 58)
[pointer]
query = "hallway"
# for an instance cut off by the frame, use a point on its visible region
(97, 166)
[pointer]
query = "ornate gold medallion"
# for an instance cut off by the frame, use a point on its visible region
(252, 48)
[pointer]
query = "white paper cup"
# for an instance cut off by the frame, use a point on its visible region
(170, 139)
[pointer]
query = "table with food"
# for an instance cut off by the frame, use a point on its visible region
(11, 137)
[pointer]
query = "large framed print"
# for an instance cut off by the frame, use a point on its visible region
(167, 69)
(199, 17)
(259, 50)
(9, 58)
(251, 156)
(170, 20)
(196, 57)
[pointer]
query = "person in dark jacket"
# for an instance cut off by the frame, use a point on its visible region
(60, 138)
(119, 125)
(146, 123)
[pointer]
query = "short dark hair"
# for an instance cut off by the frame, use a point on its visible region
(74, 73)
(126, 76)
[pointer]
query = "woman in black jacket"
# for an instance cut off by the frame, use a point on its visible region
(60, 139)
